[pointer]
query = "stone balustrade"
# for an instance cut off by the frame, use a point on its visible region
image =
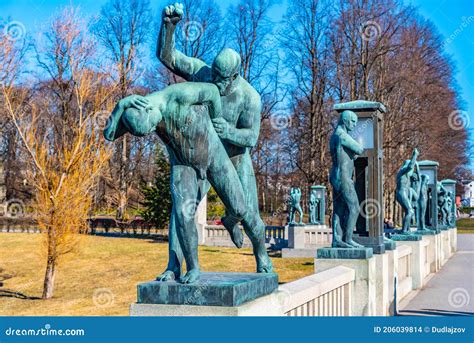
(317, 236)
(328, 293)
(342, 287)
(404, 273)
(217, 235)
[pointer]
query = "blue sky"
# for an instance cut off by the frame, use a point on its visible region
(453, 18)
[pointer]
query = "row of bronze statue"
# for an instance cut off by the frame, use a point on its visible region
(413, 196)
(208, 125)
(315, 206)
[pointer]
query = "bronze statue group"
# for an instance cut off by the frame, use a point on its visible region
(212, 147)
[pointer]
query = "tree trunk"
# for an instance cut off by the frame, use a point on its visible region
(50, 274)
(122, 205)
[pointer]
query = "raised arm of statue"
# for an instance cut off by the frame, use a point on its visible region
(412, 164)
(414, 155)
(141, 115)
(115, 128)
(174, 60)
(197, 93)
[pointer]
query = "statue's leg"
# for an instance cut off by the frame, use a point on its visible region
(253, 224)
(232, 225)
(300, 212)
(338, 214)
(184, 190)
(405, 203)
(175, 255)
(292, 215)
(351, 201)
(422, 208)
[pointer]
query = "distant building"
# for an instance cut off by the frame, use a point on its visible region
(468, 194)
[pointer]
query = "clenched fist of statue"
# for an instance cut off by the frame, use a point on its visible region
(173, 13)
(223, 129)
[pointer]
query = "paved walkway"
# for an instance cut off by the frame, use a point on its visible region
(450, 292)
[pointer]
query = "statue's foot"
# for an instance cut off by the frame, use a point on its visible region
(191, 276)
(168, 275)
(237, 236)
(264, 265)
(234, 231)
(355, 244)
(341, 244)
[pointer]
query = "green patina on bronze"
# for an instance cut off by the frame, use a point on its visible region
(317, 205)
(212, 289)
(295, 206)
(404, 191)
(207, 145)
(344, 150)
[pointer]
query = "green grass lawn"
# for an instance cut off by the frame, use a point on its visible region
(101, 277)
(465, 225)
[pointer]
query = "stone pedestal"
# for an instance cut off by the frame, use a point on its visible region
(364, 265)
(406, 238)
(389, 244)
(417, 262)
(445, 246)
(382, 281)
(304, 240)
(212, 289)
(296, 235)
(268, 306)
(433, 252)
(392, 271)
(454, 239)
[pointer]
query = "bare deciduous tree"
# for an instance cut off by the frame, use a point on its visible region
(122, 28)
(65, 160)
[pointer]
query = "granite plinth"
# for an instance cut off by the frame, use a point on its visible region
(212, 289)
(426, 232)
(345, 253)
(408, 238)
(374, 242)
(389, 244)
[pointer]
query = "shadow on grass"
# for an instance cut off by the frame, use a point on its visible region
(151, 238)
(18, 295)
(11, 294)
(236, 252)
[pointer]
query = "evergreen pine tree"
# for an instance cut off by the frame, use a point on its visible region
(157, 196)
